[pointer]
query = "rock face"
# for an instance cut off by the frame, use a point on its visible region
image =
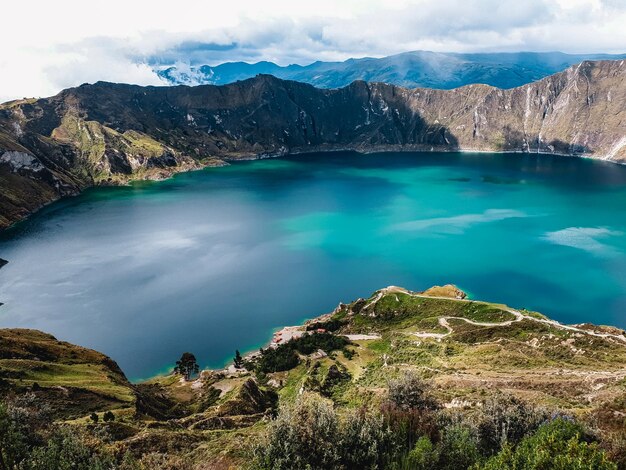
(449, 290)
(109, 133)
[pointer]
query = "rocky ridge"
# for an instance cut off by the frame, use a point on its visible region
(111, 133)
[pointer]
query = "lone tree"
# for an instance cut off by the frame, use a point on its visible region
(186, 365)
(94, 417)
(108, 416)
(238, 360)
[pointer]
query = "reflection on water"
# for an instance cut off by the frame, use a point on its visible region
(212, 261)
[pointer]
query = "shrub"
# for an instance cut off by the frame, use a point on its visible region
(410, 410)
(366, 442)
(560, 445)
(65, 451)
(13, 447)
(503, 419)
(330, 325)
(458, 448)
(310, 435)
(303, 435)
(348, 353)
(310, 343)
(285, 357)
(278, 359)
(410, 392)
(424, 456)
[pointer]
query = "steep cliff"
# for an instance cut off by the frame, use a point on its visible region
(109, 133)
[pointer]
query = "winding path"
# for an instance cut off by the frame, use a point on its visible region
(443, 321)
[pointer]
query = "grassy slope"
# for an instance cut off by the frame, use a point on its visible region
(76, 380)
(538, 361)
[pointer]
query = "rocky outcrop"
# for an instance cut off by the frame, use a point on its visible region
(109, 133)
(249, 400)
(449, 290)
(154, 401)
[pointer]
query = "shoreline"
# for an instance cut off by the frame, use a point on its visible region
(219, 162)
(286, 333)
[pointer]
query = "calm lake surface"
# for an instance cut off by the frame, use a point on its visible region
(215, 260)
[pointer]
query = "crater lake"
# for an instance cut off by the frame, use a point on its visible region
(215, 260)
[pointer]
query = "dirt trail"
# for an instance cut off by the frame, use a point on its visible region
(443, 321)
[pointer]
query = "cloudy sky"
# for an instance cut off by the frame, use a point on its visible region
(47, 46)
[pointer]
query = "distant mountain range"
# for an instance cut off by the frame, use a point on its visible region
(109, 133)
(410, 69)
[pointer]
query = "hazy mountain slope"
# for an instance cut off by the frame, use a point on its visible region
(109, 133)
(410, 69)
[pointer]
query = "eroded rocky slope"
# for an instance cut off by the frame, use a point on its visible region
(109, 133)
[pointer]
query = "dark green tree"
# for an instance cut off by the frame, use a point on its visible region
(108, 416)
(238, 360)
(94, 417)
(187, 365)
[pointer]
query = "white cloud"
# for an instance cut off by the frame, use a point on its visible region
(48, 46)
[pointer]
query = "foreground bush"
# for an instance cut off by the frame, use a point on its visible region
(310, 435)
(65, 451)
(505, 419)
(410, 410)
(28, 441)
(558, 445)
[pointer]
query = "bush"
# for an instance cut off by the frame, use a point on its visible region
(424, 456)
(303, 435)
(330, 325)
(65, 451)
(458, 448)
(410, 410)
(310, 435)
(506, 419)
(285, 357)
(308, 344)
(366, 442)
(13, 446)
(348, 353)
(560, 445)
(410, 392)
(278, 359)
(26, 445)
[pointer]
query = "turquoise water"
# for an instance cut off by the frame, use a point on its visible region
(214, 260)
